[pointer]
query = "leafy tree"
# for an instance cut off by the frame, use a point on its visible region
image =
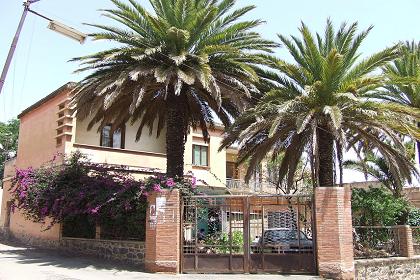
(175, 67)
(301, 178)
(377, 207)
(9, 133)
(403, 83)
(317, 105)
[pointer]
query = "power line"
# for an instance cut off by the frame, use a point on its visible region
(34, 21)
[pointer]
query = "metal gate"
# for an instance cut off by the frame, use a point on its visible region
(241, 234)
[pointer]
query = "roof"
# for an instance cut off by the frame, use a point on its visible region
(53, 94)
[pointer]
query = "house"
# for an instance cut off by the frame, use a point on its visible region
(48, 127)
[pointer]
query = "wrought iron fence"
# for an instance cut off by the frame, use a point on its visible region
(247, 233)
(252, 186)
(375, 242)
(416, 239)
(416, 234)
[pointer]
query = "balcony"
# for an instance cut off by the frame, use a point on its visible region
(239, 185)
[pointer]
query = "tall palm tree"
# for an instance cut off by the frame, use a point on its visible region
(317, 106)
(176, 67)
(403, 84)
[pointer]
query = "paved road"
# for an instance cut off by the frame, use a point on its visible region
(21, 263)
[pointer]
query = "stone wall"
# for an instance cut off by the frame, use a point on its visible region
(389, 268)
(125, 251)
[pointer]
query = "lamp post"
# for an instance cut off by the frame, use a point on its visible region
(54, 25)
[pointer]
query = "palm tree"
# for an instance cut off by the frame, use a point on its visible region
(376, 166)
(403, 84)
(177, 67)
(316, 107)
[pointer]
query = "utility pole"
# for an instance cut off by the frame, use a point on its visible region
(54, 25)
(26, 6)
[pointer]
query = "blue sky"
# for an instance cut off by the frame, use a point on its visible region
(40, 64)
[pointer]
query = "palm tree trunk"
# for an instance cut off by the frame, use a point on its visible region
(326, 157)
(175, 136)
(418, 150)
(418, 144)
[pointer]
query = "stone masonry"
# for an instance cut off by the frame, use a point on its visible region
(399, 268)
(124, 251)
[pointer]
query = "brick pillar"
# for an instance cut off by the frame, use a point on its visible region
(163, 232)
(405, 238)
(334, 237)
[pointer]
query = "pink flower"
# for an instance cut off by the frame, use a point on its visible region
(94, 210)
(170, 182)
(157, 188)
(193, 182)
(44, 211)
(22, 195)
(146, 194)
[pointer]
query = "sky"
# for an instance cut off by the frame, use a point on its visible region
(40, 64)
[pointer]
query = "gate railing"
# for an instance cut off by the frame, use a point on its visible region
(248, 233)
(415, 231)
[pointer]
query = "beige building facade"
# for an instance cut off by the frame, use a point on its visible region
(48, 128)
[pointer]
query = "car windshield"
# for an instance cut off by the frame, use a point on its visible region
(282, 234)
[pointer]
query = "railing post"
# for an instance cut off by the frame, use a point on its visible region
(405, 240)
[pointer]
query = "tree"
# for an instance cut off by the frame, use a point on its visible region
(301, 178)
(403, 83)
(176, 67)
(376, 166)
(317, 106)
(9, 133)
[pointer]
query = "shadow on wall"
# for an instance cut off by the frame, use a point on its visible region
(44, 257)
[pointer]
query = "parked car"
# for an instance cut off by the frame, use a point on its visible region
(282, 240)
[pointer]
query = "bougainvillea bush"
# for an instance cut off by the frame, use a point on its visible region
(75, 187)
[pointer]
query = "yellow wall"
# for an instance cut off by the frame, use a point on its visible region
(155, 149)
(215, 174)
(146, 143)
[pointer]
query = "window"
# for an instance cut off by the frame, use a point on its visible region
(112, 140)
(231, 170)
(200, 155)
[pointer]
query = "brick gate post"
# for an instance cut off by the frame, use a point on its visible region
(405, 241)
(163, 232)
(334, 232)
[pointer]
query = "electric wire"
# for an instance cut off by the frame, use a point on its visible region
(28, 55)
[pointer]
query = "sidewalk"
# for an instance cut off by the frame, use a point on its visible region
(22, 263)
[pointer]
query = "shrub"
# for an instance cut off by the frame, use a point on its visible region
(75, 187)
(377, 207)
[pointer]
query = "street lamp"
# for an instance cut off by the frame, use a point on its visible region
(53, 25)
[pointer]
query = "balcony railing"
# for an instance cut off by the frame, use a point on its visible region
(251, 186)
